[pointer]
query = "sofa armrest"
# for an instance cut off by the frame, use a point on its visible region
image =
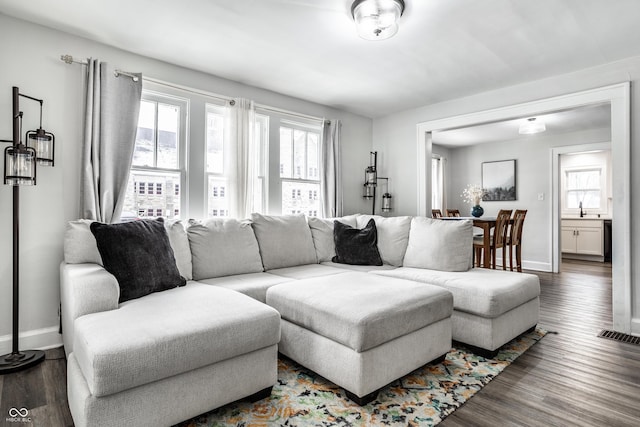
(84, 289)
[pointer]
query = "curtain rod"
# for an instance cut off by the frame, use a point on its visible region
(288, 113)
(68, 59)
(188, 89)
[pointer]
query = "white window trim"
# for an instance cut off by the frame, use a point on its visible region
(604, 196)
(183, 103)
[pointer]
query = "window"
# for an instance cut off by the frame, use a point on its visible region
(583, 187)
(216, 152)
(158, 157)
(179, 127)
(299, 165)
(437, 182)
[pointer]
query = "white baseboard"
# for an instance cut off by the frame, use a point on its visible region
(635, 327)
(37, 339)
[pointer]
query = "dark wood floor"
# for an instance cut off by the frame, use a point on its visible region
(571, 377)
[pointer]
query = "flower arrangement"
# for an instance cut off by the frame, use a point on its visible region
(473, 194)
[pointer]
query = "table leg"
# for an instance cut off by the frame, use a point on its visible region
(486, 243)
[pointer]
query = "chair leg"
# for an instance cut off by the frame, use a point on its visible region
(519, 258)
(493, 257)
(511, 257)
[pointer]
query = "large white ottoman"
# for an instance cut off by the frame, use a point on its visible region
(170, 356)
(362, 331)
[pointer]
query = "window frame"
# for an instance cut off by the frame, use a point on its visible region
(308, 126)
(603, 209)
(182, 141)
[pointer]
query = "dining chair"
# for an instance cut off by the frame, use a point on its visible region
(498, 239)
(453, 212)
(436, 213)
(514, 239)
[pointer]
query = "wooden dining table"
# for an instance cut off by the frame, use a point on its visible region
(486, 224)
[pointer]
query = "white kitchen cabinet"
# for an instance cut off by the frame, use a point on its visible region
(582, 236)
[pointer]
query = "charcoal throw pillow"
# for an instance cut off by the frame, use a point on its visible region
(356, 246)
(139, 255)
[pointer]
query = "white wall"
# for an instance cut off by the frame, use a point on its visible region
(395, 135)
(533, 176)
(31, 61)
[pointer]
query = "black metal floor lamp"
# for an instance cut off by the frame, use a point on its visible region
(371, 179)
(20, 169)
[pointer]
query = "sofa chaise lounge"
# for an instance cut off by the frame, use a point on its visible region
(278, 271)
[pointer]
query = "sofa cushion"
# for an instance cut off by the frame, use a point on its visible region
(139, 255)
(80, 245)
(360, 310)
(180, 245)
(285, 241)
(480, 291)
(356, 246)
(439, 245)
(223, 247)
(361, 268)
(254, 285)
(393, 236)
(168, 333)
(306, 271)
(322, 234)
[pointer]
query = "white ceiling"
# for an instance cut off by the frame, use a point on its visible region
(577, 119)
(309, 49)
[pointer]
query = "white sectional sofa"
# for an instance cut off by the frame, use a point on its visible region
(255, 283)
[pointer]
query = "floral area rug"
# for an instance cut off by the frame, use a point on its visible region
(424, 397)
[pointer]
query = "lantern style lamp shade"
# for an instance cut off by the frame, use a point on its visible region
(377, 19)
(386, 202)
(19, 165)
(44, 144)
(371, 176)
(368, 191)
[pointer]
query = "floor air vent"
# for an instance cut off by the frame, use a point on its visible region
(618, 336)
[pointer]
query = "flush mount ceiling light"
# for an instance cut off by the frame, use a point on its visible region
(532, 126)
(377, 19)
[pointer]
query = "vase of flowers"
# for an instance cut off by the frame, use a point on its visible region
(473, 194)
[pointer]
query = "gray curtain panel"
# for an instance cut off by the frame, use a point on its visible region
(331, 183)
(112, 105)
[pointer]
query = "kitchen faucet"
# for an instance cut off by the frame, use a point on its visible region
(582, 214)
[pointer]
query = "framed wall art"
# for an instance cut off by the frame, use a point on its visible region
(499, 180)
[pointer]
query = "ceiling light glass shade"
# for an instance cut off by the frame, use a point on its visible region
(377, 19)
(532, 126)
(19, 165)
(43, 142)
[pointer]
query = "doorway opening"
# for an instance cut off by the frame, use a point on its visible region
(618, 97)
